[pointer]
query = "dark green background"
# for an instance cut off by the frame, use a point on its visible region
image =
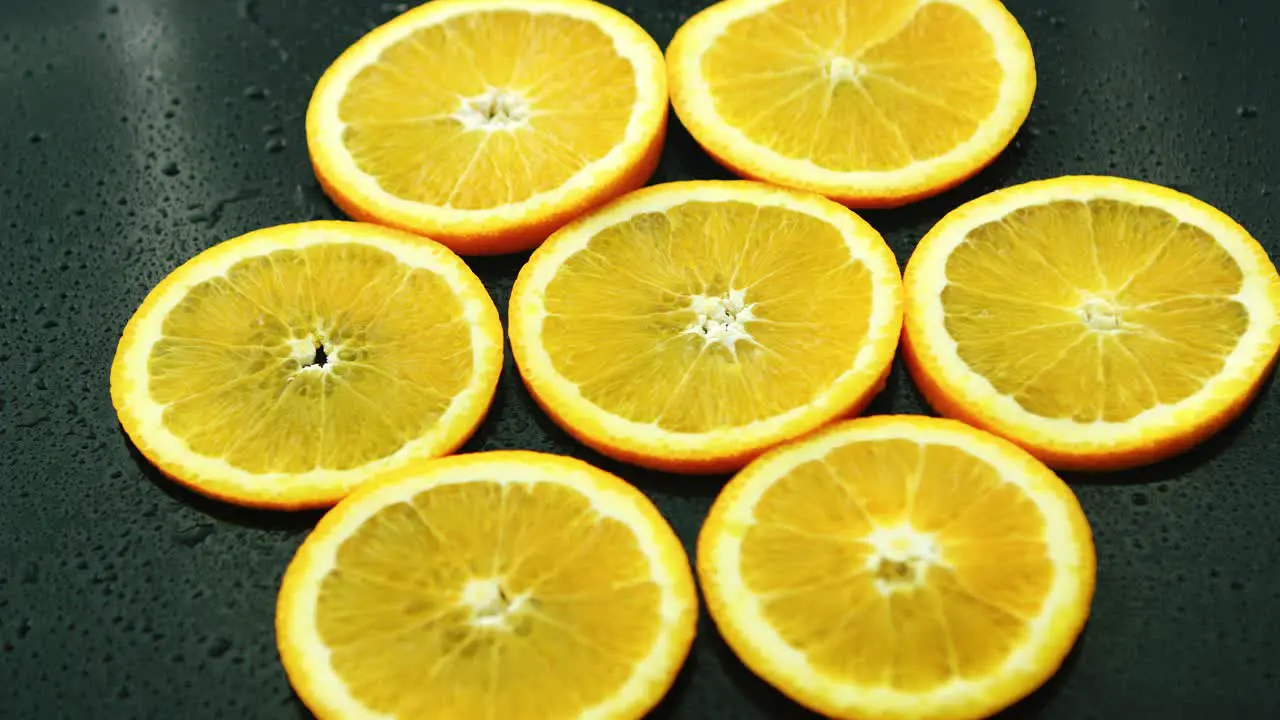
(134, 134)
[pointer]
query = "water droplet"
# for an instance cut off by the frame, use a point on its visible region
(248, 10)
(212, 215)
(36, 138)
(192, 535)
(276, 144)
(31, 421)
(254, 92)
(170, 168)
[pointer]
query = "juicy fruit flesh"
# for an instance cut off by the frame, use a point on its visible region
(1093, 311)
(708, 315)
(330, 356)
(892, 563)
(483, 600)
(854, 85)
(488, 109)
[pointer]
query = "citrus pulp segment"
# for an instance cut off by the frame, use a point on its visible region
(1099, 322)
(689, 326)
(898, 567)
(281, 367)
(501, 585)
(487, 124)
(873, 104)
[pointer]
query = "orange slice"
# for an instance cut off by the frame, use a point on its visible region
(899, 567)
(280, 368)
(487, 124)
(873, 104)
(690, 326)
(1100, 323)
(500, 585)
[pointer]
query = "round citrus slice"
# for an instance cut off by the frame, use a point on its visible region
(1100, 323)
(690, 326)
(501, 585)
(487, 124)
(899, 567)
(874, 104)
(280, 368)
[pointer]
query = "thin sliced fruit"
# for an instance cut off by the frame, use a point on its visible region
(690, 326)
(1100, 323)
(487, 124)
(280, 368)
(873, 104)
(502, 585)
(899, 567)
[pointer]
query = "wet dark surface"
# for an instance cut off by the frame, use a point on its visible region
(134, 134)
